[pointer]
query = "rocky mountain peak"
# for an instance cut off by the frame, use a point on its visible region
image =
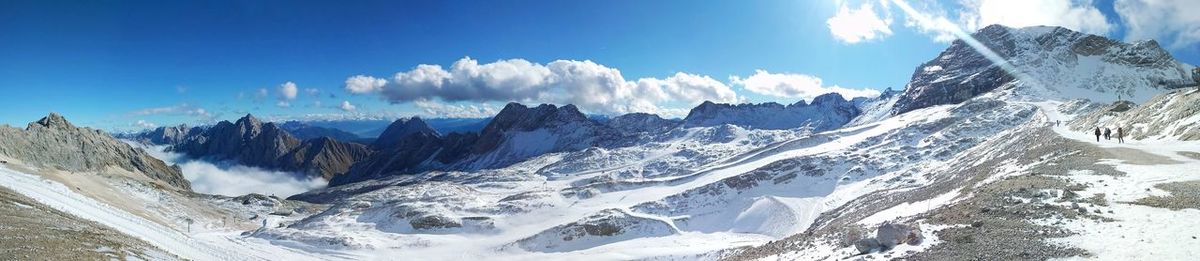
(832, 98)
(55, 121)
(826, 111)
(403, 129)
(516, 116)
(1052, 60)
(54, 142)
(249, 119)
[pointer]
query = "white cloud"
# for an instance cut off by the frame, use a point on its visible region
(312, 91)
(145, 125)
(592, 87)
(360, 84)
(1175, 23)
(1079, 15)
(434, 109)
(854, 25)
(346, 106)
(931, 17)
(288, 91)
(283, 104)
(800, 86)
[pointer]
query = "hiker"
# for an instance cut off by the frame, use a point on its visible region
(1107, 133)
(1097, 134)
(1120, 135)
(1057, 123)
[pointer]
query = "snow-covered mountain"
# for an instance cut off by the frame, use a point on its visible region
(1056, 62)
(825, 112)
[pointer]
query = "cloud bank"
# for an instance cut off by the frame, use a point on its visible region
(232, 179)
(590, 86)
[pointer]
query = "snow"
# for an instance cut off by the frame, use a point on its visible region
(1138, 232)
(204, 246)
(62, 198)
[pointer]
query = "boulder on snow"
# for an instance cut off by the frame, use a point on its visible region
(434, 222)
(890, 235)
(866, 245)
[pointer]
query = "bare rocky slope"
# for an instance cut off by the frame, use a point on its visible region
(55, 143)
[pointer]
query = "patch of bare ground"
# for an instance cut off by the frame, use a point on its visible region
(33, 231)
(1184, 194)
(994, 218)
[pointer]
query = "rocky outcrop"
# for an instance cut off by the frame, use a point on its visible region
(827, 111)
(605, 227)
(642, 123)
(55, 143)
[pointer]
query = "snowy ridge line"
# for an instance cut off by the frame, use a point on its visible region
(58, 196)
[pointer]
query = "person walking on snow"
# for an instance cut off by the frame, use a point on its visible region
(1107, 134)
(1097, 134)
(1120, 135)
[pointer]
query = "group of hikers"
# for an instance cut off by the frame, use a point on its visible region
(1108, 134)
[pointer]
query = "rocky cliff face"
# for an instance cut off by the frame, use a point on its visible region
(255, 143)
(642, 123)
(56, 143)
(1053, 62)
(324, 157)
(248, 141)
(826, 112)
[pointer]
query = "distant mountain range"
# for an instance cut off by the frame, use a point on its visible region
(413, 145)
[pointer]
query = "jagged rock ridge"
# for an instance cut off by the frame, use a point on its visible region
(54, 142)
(827, 111)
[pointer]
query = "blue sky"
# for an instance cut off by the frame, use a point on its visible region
(120, 65)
